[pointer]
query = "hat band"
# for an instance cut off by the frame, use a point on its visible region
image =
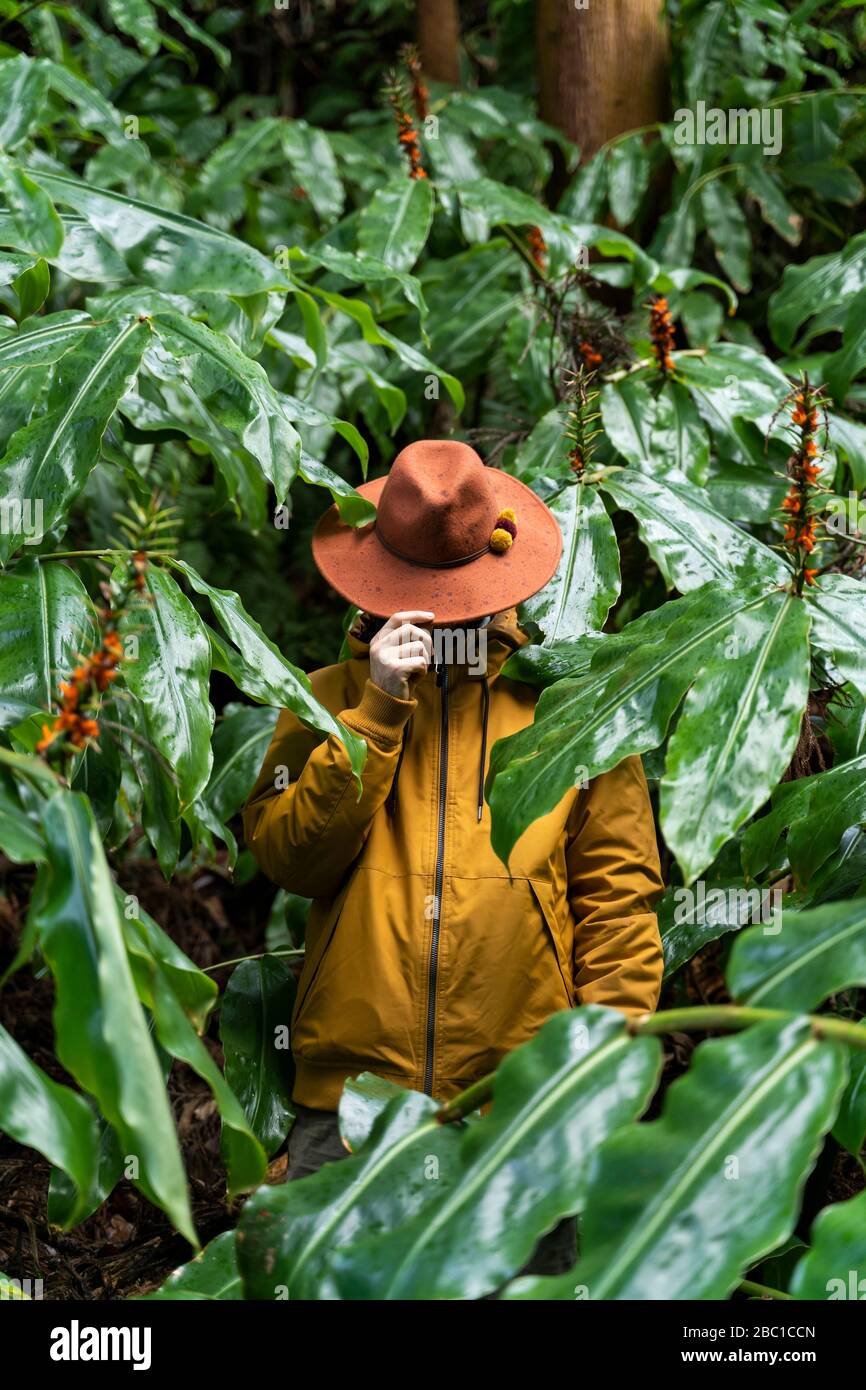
(430, 564)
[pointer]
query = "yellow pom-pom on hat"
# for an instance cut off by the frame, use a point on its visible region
(504, 531)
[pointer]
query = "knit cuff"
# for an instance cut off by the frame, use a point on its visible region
(379, 716)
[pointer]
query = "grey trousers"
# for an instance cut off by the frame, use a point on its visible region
(314, 1140)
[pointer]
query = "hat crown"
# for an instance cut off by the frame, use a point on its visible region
(438, 504)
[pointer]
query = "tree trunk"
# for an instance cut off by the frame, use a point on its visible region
(438, 28)
(602, 69)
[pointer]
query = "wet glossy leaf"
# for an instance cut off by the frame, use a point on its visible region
(396, 222)
(213, 1274)
(45, 622)
(816, 811)
(170, 677)
(102, 1037)
(164, 248)
(555, 1100)
(262, 672)
(833, 1267)
(43, 1115)
(689, 540)
(737, 731)
(622, 705)
(254, 1019)
(50, 459)
(586, 583)
(815, 954)
(668, 1215)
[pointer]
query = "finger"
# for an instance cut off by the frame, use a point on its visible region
(407, 632)
(407, 650)
(412, 615)
(410, 633)
(416, 665)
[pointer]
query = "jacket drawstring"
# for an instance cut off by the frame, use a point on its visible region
(392, 799)
(485, 707)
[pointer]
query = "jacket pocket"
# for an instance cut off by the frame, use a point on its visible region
(543, 896)
(314, 961)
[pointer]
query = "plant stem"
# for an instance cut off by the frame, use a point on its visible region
(239, 960)
(763, 1290)
(696, 1020)
(74, 554)
(519, 246)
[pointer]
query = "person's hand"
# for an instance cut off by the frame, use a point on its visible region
(400, 653)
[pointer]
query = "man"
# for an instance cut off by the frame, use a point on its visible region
(427, 959)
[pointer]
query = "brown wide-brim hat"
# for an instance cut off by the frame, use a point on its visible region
(451, 536)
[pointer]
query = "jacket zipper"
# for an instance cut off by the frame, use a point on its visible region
(437, 885)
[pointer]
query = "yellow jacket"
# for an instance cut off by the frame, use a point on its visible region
(425, 961)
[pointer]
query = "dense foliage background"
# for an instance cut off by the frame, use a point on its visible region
(230, 292)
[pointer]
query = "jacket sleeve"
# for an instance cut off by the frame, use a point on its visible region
(614, 883)
(304, 820)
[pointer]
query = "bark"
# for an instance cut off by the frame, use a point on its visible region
(602, 69)
(438, 29)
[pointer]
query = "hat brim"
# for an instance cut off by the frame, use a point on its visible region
(355, 563)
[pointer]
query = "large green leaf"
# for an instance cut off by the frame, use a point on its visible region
(287, 1235)
(816, 811)
(360, 311)
(41, 341)
(239, 746)
(689, 540)
(729, 232)
(628, 172)
(212, 1274)
(170, 677)
(231, 385)
(45, 622)
(312, 162)
(23, 88)
(195, 991)
(396, 222)
(735, 380)
(164, 248)
(43, 1115)
(817, 953)
(817, 284)
(359, 270)
(251, 148)
(20, 837)
(242, 1154)
(833, 1267)
(49, 460)
(658, 430)
(520, 1170)
(137, 19)
(102, 1037)
(586, 584)
(254, 1019)
(838, 606)
(262, 672)
(737, 731)
(622, 705)
(37, 225)
(850, 1127)
(682, 1207)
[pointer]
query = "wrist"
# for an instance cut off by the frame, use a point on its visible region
(379, 715)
